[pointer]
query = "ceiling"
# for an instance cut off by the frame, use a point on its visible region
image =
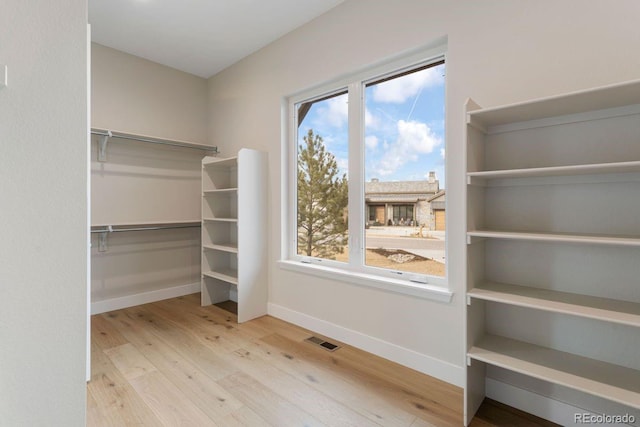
(201, 37)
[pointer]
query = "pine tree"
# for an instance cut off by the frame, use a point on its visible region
(322, 201)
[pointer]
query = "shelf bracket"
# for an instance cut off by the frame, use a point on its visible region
(102, 146)
(102, 240)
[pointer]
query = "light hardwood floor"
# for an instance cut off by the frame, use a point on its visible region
(174, 363)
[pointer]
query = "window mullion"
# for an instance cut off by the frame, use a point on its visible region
(356, 176)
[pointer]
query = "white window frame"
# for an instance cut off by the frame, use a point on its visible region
(354, 271)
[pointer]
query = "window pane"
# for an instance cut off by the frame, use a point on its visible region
(322, 193)
(404, 172)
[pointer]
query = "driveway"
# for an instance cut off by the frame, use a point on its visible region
(428, 248)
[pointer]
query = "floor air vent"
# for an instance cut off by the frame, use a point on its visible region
(322, 343)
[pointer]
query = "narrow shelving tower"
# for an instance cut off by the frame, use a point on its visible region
(234, 232)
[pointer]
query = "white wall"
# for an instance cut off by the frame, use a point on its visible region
(131, 94)
(498, 52)
(143, 183)
(43, 219)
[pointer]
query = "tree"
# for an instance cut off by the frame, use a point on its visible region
(322, 200)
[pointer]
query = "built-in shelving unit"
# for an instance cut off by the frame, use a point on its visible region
(553, 237)
(234, 232)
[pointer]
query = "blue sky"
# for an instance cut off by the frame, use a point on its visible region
(404, 127)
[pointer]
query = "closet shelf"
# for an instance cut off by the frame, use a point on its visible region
(225, 247)
(107, 134)
(598, 239)
(226, 163)
(587, 169)
(220, 219)
(221, 191)
(605, 309)
(141, 226)
(602, 379)
(225, 274)
(606, 97)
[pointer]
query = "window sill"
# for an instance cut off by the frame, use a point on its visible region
(404, 287)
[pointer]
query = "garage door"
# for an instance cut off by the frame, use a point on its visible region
(440, 220)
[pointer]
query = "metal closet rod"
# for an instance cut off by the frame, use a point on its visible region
(114, 134)
(110, 229)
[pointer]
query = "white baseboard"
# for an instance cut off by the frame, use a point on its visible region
(111, 304)
(544, 407)
(428, 365)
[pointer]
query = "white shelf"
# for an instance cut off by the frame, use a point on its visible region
(609, 310)
(612, 382)
(590, 169)
(220, 219)
(214, 162)
(227, 275)
(220, 191)
(613, 96)
(225, 247)
(597, 239)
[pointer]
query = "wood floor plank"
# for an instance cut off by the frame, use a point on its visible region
(443, 393)
(321, 406)
(419, 422)
(203, 327)
(244, 417)
(215, 314)
(265, 401)
(104, 334)
(498, 414)
(360, 398)
(170, 406)
(117, 402)
(193, 382)
(129, 361)
(424, 405)
(189, 347)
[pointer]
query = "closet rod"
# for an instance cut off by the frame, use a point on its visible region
(155, 227)
(115, 134)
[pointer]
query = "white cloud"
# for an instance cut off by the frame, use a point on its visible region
(334, 111)
(371, 142)
(442, 152)
(398, 90)
(414, 138)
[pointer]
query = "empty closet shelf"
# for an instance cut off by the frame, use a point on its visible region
(602, 379)
(224, 274)
(605, 309)
(225, 247)
(598, 239)
(571, 170)
(220, 219)
(221, 191)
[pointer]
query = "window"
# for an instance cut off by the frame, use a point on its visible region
(366, 157)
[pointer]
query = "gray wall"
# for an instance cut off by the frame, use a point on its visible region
(43, 219)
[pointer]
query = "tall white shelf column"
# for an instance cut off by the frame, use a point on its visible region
(553, 233)
(234, 232)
